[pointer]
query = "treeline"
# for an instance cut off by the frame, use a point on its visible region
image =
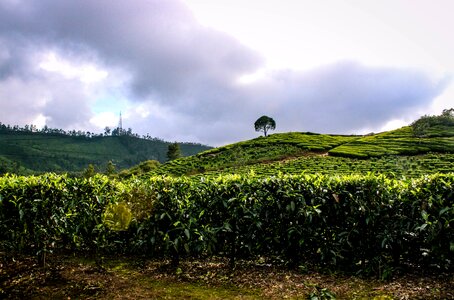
(422, 126)
(6, 128)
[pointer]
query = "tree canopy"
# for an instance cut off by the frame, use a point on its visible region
(173, 151)
(264, 123)
(423, 124)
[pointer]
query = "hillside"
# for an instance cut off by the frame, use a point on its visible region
(275, 147)
(29, 152)
(438, 139)
(397, 152)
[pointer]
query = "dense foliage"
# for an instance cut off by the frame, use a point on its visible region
(424, 125)
(369, 224)
(264, 123)
(380, 212)
(25, 152)
(173, 151)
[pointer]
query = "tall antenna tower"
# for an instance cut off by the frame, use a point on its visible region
(120, 125)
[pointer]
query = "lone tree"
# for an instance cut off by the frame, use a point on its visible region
(173, 151)
(264, 123)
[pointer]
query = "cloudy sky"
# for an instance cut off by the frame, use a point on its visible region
(205, 70)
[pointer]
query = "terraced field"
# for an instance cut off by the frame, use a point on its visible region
(276, 147)
(394, 166)
(439, 139)
(397, 153)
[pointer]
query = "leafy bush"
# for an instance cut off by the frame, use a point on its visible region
(369, 224)
(140, 169)
(117, 216)
(422, 126)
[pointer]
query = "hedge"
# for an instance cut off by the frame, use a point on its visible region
(368, 224)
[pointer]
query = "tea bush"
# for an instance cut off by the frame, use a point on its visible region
(359, 223)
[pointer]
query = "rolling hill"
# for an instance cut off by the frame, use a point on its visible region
(35, 152)
(402, 152)
(438, 139)
(397, 152)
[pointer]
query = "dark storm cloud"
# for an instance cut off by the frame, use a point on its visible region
(14, 58)
(340, 98)
(344, 97)
(166, 53)
(63, 102)
(158, 42)
(189, 71)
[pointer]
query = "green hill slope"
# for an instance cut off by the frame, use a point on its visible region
(439, 139)
(27, 152)
(392, 165)
(275, 147)
(397, 152)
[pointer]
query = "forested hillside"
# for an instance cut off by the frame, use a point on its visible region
(25, 151)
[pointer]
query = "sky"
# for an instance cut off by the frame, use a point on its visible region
(204, 70)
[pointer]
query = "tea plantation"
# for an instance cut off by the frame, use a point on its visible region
(392, 166)
(364, 224)
(439, 139)
(366, 205)
(395, 153)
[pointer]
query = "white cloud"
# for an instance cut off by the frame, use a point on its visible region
(21, 101)
(303, 34)
(85, 72)
(39, 121)
(443, 101)
(394, 124)
(76, 65)
(104, 119)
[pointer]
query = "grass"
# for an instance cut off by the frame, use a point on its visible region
(140, 278)
(179, 290)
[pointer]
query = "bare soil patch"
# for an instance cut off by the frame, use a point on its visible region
(70, 277)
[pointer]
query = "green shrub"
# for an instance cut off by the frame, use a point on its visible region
(359, 223)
